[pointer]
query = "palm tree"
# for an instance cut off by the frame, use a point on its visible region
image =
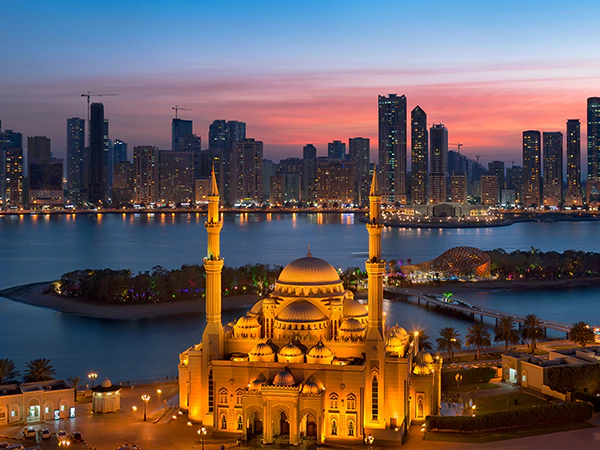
(75, 382)
(505, 331)
(449, 341)
(479, 336)
(532, 329)
(7, 371)
(39, 370)
(424, 344)
(582, 334)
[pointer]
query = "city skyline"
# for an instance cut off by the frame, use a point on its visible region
(317, 82)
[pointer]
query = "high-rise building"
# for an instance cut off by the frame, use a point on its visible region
(13, 183)
(360, 155)
(514, 181)
(553, 152)
(497, 168)
(269, 169)
(334, 182)
(45, 183)
(593, 124)
(246, 176)
(309, 172)
(573, 146)
(75, 149)
(392, 147)
(176, 177)
(38, 149)
(145, 174)
(490, 190)
(458, 188)
(276, 196)
(336, 150)
(8, 139)
(119, 151)
(179, 129)
(531, 169)
(223, 134)
(97, 186)
(109, 163)
(123, 183)
(419, 155)
(438, 172)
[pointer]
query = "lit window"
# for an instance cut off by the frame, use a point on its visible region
(351, 428)
(223, 396)
(375, 398)
(223, 422)
(351, 404)
(240, 423)
(333, 427)
(333, 401)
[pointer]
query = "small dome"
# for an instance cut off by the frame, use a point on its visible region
(354, 309)
(261, 349)
(309, 271)
(301, 311)
(424, 358)
(320, 351)
(284, 378)
(255, 385)
(257, 308)
(290, 351)
(398, 331)
(247, 322)
(310, 387)
(421, 369)
(352, 325)
(393, 342)
(106, 383)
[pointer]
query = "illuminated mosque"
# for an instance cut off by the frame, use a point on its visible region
(308, 361)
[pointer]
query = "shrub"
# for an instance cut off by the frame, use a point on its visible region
(516, 418)
(593, 399)
(584, 378)
(469, 376)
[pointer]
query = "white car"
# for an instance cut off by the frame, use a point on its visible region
(29, 432)
(45, 433)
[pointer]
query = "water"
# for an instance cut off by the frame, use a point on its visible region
(35, 248)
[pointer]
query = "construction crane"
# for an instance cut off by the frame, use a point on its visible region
(179, 108)
(457, 145)
(478, 156)
(88, 95)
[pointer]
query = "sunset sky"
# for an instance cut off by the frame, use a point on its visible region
(301, 72)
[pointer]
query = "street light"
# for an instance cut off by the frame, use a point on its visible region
(201, 435)
(92, 376)
(145, 399)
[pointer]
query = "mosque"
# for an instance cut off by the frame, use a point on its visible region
(308, 361)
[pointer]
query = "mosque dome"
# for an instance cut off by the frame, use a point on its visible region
(393, 342)
(399, 332)
(352, 325)
(261, 349)
(284, 378)
(421, 369)
(301, 311)
(352, 308)
(290, 353)
(106, 383)
(424, 358)
(310, 387)
(320, 351)
(247, 322)
(256, 310)
(310, 271)
(255, 385)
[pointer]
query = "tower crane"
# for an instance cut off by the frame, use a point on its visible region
(478, 156)
(457, 145)
(88, 95)
(179, 108)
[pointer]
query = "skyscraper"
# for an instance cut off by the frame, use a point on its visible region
(223, 134)
(246, 173)
(336, 150)
(497, 168)
(119, 151)
(109, 163)
(75, 149)
(490, 192)
(419, 155)
(392, 147)
(593, 123)
(8, 139)
(573, 194)
(13, 183)
(38, 149)
(360, 155)
(531, 169)
(553, 152)
(96, 190)
(438, 172)
(179, 129)
(309, 172)
(514, 181)
(145, 174)
(176, 176)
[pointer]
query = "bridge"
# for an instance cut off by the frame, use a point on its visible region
(459, 305)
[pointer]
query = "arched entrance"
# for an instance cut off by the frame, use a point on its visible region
(281, 424)
(308, 426)
(254, 424)
(33, 411)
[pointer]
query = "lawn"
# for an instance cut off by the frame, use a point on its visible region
(506, 402)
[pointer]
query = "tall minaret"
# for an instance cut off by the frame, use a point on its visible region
(212, 339)
(375, 265)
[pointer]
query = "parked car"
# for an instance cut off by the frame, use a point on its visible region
(45, 433)
(77, 437)
(63, 439)
(29, 432)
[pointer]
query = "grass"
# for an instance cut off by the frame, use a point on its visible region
(505, 402)
(471, 387)
(503, 435)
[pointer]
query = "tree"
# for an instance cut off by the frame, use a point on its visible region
(424, 344)
(581, 333)
(505, 331)
(479, 336)
(39, 370)
(532, 329)
(75, 382)
(7, 371)
(449, 341)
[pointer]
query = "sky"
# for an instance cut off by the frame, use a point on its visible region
(301, 72)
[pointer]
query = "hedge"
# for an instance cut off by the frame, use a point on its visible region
(593, 399)
(515, 418)
(585, 378)
(469, 376)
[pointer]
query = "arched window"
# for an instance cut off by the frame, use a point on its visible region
(374, 398)
(211, 391)
(223, 396)
(351, 403)
(333, 427)
(239, 423)
(223, 421)
(238, 397)
(351, 427)
(333, 401)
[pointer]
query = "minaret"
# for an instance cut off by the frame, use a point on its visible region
(375, 265)
(212, 339)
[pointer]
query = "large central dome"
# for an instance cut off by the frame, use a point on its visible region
(309, 270)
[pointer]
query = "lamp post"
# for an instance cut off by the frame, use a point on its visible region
(92, 376)
(201, 435)
(145, 399)
(458, 377)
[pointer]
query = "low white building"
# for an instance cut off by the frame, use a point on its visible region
(36, 402)
(106, 397)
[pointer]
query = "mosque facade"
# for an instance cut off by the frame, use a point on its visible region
(308, 361)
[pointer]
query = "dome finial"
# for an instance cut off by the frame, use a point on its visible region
(309, 254)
